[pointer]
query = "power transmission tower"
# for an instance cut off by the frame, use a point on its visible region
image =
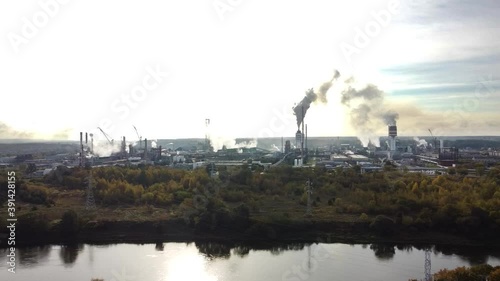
(309, 192)
(90, 204)
(428, 275)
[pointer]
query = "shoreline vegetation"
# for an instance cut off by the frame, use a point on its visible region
(247, 203)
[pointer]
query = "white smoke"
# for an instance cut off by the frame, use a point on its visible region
(219, 142)
(275, 148)
(246, 144)
(368, 110)
(420, 142)
(105, 149)
(153, 144)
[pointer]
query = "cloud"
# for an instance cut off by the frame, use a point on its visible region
(63, 134)
(7, 132)
(415, 121)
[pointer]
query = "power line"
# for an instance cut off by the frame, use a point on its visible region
(428, 275)
(90, 202)
(309, 192)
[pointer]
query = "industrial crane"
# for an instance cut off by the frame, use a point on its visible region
(110, 140)
(140, 137)
(434, 139)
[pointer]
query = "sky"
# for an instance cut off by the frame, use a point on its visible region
(167, 66)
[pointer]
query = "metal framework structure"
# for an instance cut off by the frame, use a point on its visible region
(110, 140)
(138, 136)
(428, 275)
(309, 192)
(90, 203)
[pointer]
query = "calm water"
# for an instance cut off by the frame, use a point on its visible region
(211, 261)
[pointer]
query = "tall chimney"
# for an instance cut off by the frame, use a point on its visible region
(124, 147)
(92, 143)
(298, 137)
(302, 137)
(393, 132)
(81, 149)
(145, 149)
(306, 140)
(86, 138)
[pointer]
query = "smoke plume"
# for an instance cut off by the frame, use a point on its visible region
(7, 132)
(368, 111)
(311, 96)
(421, 142)
(390, 117)
(220, 141)
(105, 149)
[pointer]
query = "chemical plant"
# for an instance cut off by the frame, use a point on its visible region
(414, 154)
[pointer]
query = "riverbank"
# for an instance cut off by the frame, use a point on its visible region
(176, 230)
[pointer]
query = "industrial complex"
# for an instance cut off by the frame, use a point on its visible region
(431, 156)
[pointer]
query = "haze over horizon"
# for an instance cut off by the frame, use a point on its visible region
(167, 66)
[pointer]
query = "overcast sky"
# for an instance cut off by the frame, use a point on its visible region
(166, 66)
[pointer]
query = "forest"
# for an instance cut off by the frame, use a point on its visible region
(248, 199)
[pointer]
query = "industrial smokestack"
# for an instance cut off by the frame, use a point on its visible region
(302, 137)
(369, 112)
(298, 137)
(306, 149)
(81, 149)
(393, 132)
(86, 138)
(91, 143)
(124, 147)
(145, 149)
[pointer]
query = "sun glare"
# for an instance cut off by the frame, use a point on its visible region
(188, 266)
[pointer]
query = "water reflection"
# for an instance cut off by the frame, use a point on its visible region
(241, 251)
(69, 253)
(213, 250)
(383, 251)
(30, 255)
(404, 247)
(159, 247)
(471, 255)
(213, 261)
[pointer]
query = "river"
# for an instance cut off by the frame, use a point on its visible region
(212, 261)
